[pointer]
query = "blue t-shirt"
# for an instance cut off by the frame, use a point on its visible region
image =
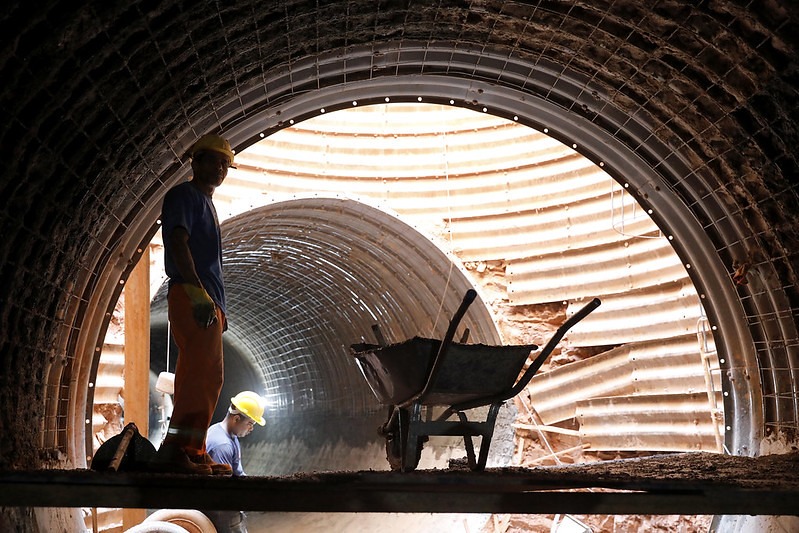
(185, 206)
(224, 447)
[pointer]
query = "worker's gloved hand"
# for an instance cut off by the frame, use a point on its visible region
(202, 306)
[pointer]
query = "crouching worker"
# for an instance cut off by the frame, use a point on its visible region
(222, 443)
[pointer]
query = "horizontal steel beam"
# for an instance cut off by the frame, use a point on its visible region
(547, 490)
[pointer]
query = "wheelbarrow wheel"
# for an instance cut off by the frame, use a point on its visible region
(394, 453)
(396, 435)
(397, 443)
(411, 465)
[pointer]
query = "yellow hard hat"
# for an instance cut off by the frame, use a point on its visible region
(213, 143)
(250, 405)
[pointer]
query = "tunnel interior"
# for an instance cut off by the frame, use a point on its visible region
(692, 105)
(306, 279)
(295, 246)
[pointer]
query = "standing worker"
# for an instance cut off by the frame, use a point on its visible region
(196, 303)
(246, 409)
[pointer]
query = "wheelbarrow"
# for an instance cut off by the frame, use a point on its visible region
(419, 375)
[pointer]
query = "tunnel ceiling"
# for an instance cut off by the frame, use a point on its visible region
(100, 103)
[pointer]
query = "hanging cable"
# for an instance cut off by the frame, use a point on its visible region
(449, 228)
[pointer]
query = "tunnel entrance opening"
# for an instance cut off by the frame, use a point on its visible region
(528, 288)
(536, 226)
(307, 277)
(656, 175)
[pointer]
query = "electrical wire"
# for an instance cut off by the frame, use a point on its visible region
(449, 228)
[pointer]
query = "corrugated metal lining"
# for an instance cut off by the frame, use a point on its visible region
(494, 190)
(107, 390)
(672, 422)
(632, 369)
(660, 312)
(110, 379)
(626, 385)
(307, 277)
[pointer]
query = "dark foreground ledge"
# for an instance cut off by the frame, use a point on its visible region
(696, 483)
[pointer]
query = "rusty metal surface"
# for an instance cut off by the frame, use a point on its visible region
(697, 483)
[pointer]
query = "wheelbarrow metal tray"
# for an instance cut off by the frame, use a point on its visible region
(398, 372)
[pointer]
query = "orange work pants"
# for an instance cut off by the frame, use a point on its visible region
(199, 373)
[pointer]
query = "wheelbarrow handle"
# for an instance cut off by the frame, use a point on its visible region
(582, 313)
(122, 447)
(534, 366)
(468, 298)
(553, 342)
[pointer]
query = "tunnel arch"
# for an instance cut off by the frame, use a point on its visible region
(305, 278)
(659, 176)
(101, 103)
(709, 234)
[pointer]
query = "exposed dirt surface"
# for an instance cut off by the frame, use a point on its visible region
(776, 472)
(681, 473)
(642, 473)
(773, 471)
(667, 471)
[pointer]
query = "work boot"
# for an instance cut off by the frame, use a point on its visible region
(217, 469)
(172, 459)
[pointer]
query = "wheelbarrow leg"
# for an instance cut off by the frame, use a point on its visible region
(485, 443)
(485, 430)
(467, 441)
(395, 431)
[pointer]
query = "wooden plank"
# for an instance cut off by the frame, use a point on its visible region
(665, 484)
(136, 389)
